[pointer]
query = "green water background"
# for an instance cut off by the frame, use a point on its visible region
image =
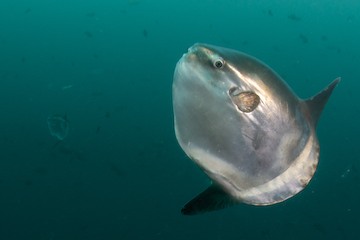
(120, 174)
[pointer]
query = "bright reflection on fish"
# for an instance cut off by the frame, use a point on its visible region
(58, 126)
(244, 127)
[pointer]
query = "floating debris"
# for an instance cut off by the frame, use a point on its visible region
(294, 17)
(145, 33)
(97, 130)
(58, 126)
(67, 87)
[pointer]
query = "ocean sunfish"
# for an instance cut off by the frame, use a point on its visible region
(244, 127)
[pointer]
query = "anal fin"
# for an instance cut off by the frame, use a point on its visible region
(213, 198)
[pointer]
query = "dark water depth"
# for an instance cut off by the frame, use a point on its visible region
(106, 67)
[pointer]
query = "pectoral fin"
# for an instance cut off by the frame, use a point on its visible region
(213, 198)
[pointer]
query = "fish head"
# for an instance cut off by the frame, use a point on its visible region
(231, 78)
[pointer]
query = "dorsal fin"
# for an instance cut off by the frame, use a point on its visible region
(211, 199)
(317, 103)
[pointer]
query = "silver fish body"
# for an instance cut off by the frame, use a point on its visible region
(244, 127)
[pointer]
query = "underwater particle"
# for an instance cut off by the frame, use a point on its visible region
(27, 10)
(350, 170)
(115, 169)
(303, 38)
(98, 129)
(335, 48)
(67, 87)
(145, 33)
(294, 17)
(88, 34)
(58, 126)
(319, 228)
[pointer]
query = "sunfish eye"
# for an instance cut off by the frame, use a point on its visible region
(218, 63)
